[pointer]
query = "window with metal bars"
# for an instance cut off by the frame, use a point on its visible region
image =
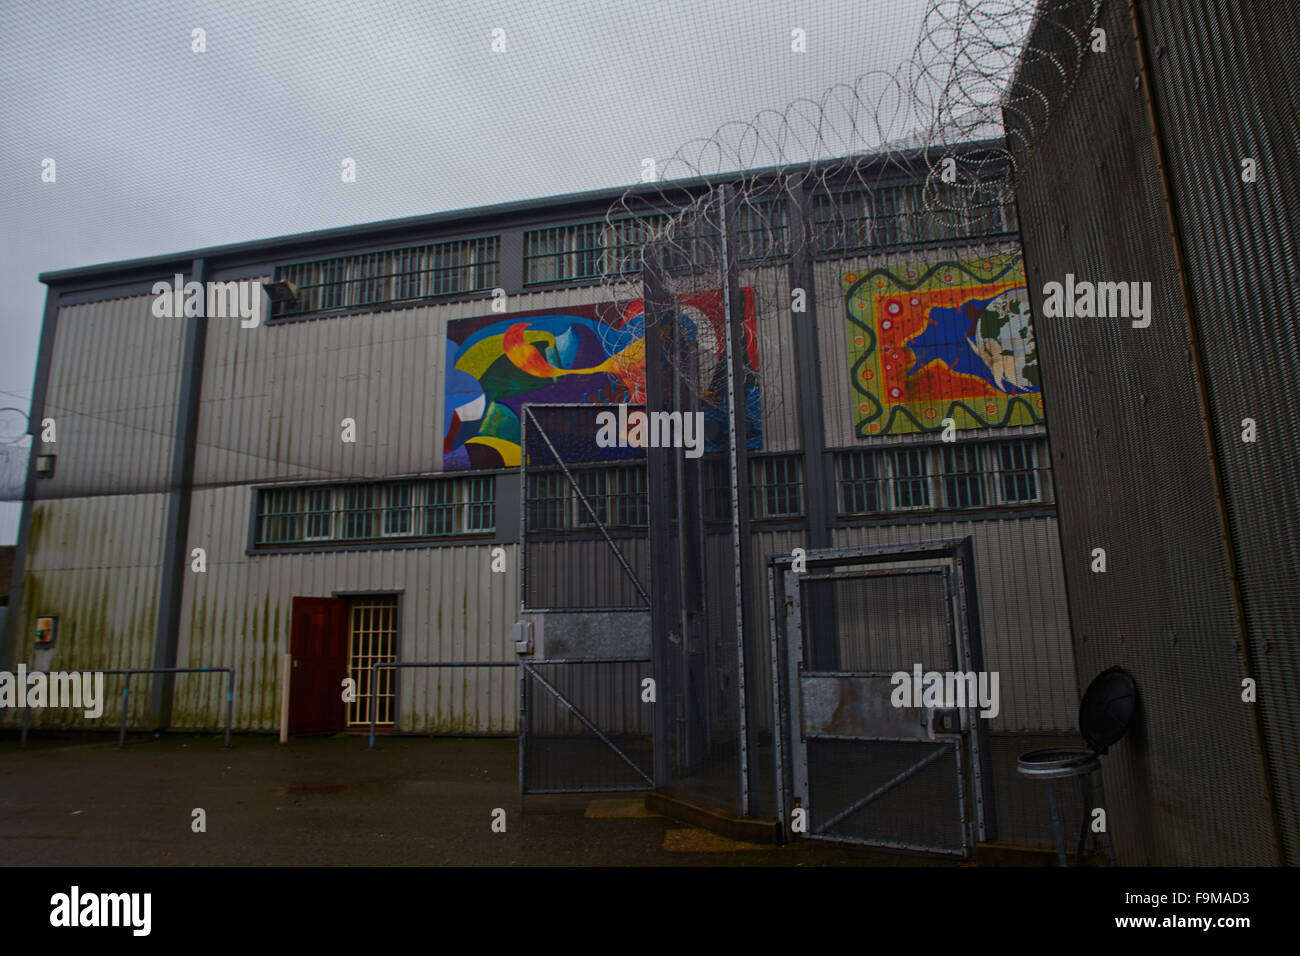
(1018, 471)
(616, 494)
(911, 478)
(375, 511)
(858, 478)
(587, 250)
(970, 475)
(762, 229)
(776, 487)
(372, 639)
(963, 476)
(397, 275)
(892, 215)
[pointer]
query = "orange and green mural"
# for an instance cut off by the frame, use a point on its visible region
(951, 339)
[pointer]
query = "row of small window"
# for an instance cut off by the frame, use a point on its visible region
(861, 218)
(911, 478)
(847, 220)
(958, 475)
(615, 495)
(854, 219)
(375, 511)
(868, 482)
(399, 275)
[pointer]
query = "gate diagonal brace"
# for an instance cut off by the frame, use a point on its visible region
(886, 787)
(627, 568)
(585, 722)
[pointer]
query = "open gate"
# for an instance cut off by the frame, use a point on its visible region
(855, 634)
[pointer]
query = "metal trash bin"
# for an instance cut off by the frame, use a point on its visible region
(1105, 713)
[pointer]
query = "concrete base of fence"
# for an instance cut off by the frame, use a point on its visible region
(745, 829)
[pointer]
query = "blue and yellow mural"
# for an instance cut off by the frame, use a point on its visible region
(588, 354)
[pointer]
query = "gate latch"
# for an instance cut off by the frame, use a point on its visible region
(944, 721)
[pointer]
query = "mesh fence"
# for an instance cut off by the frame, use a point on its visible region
(586, 727)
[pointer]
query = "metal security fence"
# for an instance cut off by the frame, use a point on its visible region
(584, 513)
(585, 725)
(126, 674)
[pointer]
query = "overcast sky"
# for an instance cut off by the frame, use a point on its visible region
(161, 149)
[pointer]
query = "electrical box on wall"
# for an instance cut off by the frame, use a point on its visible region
(521, 633)
(46, 628)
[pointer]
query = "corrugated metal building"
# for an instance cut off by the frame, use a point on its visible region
(1173, 161)
(177, 434)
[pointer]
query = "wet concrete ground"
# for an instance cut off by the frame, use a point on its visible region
(79, 801)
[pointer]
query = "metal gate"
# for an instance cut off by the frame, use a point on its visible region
(884, 686)
(586, 714)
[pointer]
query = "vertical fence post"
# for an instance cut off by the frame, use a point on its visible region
(230, 706)
(523, 731)
(126, 696)
(374, 700)
(286, 676)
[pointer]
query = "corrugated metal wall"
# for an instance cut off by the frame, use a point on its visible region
(274, 396)
(1186, 786)
(94, 563)
(1228, 87)
(453, 608)
(569, 573)
(778, 385)
(1023, 620)
(112, 393)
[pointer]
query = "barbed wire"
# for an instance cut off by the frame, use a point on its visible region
(963, 87)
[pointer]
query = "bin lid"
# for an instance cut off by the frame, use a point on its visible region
(1108, 707)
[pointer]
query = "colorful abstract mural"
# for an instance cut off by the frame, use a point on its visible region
(589, 354)
(940, 340)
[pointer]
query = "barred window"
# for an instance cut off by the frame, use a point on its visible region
(588, 250)
(859, 480)
(398, 275)
(860, 218)
(911, 478)
(776, 487)
(1017, 471)
(318, 503)
(616, 494)
(375, 511)
(960, 475)
(358, 512)
(762, 229)
(397, 508)
(963, 476)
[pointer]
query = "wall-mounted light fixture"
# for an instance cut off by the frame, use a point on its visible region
(281, 291)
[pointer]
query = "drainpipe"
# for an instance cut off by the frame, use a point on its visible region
(175, 560)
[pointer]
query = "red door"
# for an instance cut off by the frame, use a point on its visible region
(318, 643)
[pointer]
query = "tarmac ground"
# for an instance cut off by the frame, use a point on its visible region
(77, 800)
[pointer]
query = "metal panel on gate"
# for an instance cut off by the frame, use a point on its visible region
(871, 760)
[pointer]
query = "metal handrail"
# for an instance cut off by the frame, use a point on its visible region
(126, 691)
